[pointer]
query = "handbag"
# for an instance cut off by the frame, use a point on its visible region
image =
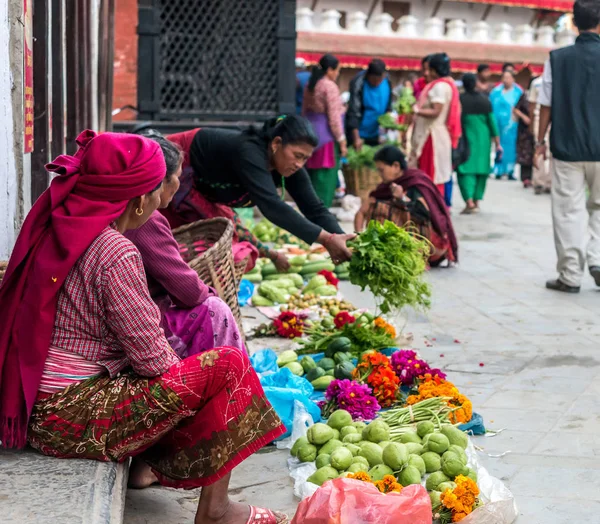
(461, 153)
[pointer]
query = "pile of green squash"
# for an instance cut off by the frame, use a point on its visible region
(336, 364)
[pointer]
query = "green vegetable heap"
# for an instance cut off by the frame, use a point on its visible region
(406, 101)
(363, 158)
(387, 121)
(390, 261)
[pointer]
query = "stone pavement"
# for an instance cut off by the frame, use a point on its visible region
(527, 357)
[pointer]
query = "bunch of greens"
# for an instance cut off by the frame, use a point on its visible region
(387, 121)
(362, 158)
(364, 335)
(406, 101)
(390, 262)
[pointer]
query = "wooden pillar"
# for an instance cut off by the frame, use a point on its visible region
(58, 79)
(73, 122)
(41, 117)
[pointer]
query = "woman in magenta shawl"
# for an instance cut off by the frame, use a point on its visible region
(85, 368)
(193, 316)
(408, 197)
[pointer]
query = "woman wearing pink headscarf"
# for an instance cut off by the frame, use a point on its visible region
(96, 378)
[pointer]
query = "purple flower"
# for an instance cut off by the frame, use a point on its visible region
(438, 372)
(354, 397)
(408, 367)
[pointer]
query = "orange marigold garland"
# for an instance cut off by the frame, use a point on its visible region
(436, 387)
(374, 369)
(460, 501)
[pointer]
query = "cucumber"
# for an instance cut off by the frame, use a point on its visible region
(258, 301)
(255, 278)
(315, 267)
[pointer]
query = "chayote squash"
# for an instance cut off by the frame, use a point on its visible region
(341, 344)
(326, 363)
(286, 357)
(314, 374)
(308, 363)
(344, 370)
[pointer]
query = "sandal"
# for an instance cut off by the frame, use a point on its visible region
(266, 516)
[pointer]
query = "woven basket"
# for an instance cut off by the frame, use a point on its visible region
(361, 181)
(206, 246)
(240, 269)
(3, 266)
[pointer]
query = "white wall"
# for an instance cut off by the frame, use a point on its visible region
(8, 171)
(423, 9)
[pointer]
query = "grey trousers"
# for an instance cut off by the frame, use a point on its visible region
(576, 219)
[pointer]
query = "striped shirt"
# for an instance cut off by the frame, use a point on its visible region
(105, 314)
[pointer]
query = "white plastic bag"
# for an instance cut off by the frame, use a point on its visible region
(302, 421)
(499, 502)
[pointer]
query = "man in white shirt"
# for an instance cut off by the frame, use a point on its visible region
(570, 99)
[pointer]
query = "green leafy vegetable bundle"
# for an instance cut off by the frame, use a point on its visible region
(362, 158)
(406, 101)
(387, 121)
(390, 262)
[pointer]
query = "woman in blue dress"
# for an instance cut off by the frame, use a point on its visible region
(504, 99)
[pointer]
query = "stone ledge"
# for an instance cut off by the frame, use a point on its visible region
(45, 490)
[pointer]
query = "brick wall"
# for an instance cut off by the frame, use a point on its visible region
(125, 63)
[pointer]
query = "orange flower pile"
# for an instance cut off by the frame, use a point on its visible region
(389, 484)
(462, 499)
(436, 387)
(375, 370)
(387, 327)
(360, 475)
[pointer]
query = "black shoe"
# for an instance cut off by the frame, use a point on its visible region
(557, 285)
(538, 190)
(595, 272)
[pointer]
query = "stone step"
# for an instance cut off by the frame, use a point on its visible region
(35, 489)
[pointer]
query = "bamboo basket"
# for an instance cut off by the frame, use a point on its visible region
(3, 266)
(240, 270)
(361, 181)
(206, 246)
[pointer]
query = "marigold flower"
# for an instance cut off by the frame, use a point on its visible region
(360, 475)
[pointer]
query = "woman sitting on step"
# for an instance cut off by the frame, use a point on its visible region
(194, 318)
(409, 198)
(85, 369)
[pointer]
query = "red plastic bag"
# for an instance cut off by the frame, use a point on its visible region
(349, 501)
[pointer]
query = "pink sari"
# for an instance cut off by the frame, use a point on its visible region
(200, 328)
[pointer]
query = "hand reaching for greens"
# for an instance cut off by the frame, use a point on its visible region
(336, 246)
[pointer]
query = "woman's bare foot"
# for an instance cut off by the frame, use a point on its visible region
(141, 475)
(231, 513)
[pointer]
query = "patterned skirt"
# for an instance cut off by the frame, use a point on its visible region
(192, 425)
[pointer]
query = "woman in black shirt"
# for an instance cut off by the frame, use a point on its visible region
(226, 169)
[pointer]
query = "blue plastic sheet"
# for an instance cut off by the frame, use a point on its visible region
(282, 390)
(245, 293)
(264, 361)
(475, 426)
